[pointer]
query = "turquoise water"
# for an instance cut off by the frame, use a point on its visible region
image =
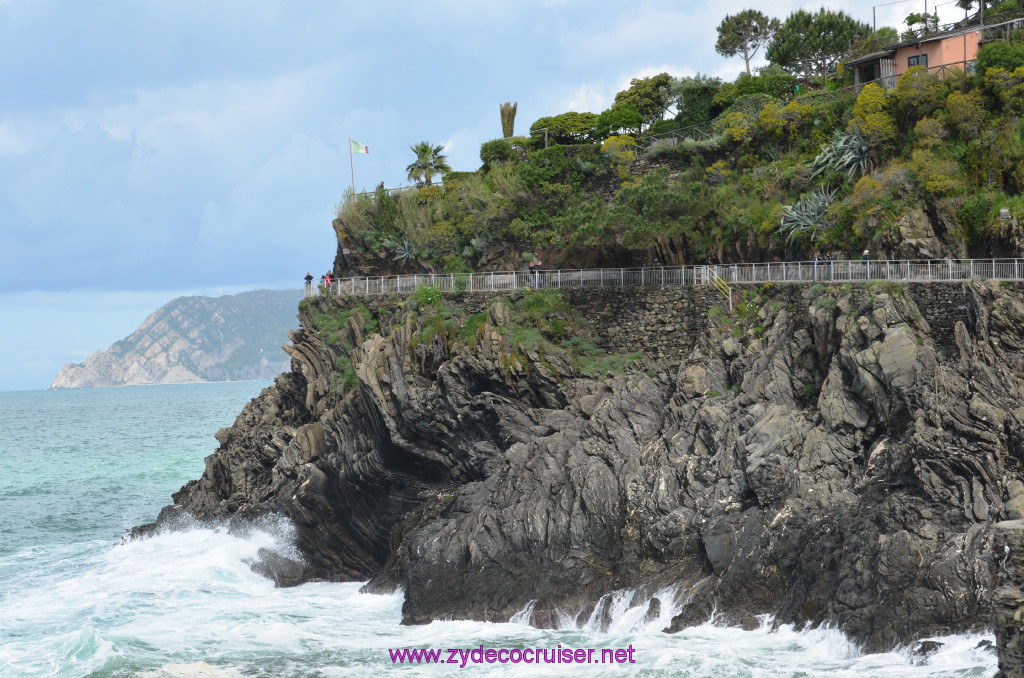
(77, 468)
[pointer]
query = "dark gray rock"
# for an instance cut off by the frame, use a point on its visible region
(833, 461)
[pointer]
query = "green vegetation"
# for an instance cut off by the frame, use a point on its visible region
(745, 33)
(811, 43)
(429, 162)
(756, 175)
(508, 118)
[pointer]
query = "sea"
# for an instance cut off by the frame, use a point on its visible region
(78, 468)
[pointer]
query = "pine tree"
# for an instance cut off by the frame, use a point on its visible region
(745, 33)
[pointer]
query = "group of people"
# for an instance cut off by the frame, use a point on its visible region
(826, 258)
(325, 283)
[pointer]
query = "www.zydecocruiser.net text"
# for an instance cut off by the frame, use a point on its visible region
(530, 655)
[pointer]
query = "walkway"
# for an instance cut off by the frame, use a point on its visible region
(938, 270)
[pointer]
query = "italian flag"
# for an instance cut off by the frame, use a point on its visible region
(358, 147)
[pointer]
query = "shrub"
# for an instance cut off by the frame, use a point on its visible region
(344, 377)
(998, 54)
(785, 120)
(496, 151)
(751, 104)
(695, 104)
(871, 118)
(934, 175)
(716, 172)
(738, 127)
(427, 296)
(919, 93)
(929, 132)
(967, 113)
(1008, 86)
(621, 148)
(866, 192)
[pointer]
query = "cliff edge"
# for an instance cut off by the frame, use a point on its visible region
(826, 453)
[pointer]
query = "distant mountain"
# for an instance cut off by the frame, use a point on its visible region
(195, 339)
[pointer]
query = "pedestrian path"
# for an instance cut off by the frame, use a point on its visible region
(859, 271)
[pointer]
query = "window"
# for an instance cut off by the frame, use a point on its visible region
(920, 60)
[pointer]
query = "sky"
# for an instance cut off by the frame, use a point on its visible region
(156, 148)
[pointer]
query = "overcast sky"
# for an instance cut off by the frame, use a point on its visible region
(154, 148)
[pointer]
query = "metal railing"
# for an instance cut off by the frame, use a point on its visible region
(896, 270)
(720, 284)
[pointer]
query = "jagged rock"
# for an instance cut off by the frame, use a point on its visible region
(829, 467)
(917, 238)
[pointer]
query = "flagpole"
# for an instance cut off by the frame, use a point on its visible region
(352, 166)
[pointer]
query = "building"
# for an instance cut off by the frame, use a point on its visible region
(956, 48)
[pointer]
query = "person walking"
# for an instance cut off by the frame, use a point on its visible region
(309, 284)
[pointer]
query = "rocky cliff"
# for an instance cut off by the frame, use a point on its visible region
(825, 453)
(195, 339)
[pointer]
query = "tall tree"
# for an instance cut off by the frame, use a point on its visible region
(619, 119)
(745, 33)
(650, 97)
(810, 44)
(508, 118)
(429, 161)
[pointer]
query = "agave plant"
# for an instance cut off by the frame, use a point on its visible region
(805, 217)
(404, 252)
(845, 153)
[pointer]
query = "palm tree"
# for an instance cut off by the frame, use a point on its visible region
(508, 117)
(429, 161)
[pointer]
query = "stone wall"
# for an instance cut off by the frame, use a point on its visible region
(663, 322)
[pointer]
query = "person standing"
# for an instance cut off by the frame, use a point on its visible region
(327, 281)
(867, 264)
(539, 272)
(533, 271)
(309, 284)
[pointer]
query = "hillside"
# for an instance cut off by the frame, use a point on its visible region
(195, 339)
(931, 168)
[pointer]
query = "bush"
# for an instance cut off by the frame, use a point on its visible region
(934, 175)
(737, 127)
(871, 118)
(967, 113)
(716, 172)
(929, 132)
(427, 296)
(496, 151)
(621, 149)
(1008, 87)
(696, 105)
(1005, 55)
(751, 104)
(919, 93)
(785, 120)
